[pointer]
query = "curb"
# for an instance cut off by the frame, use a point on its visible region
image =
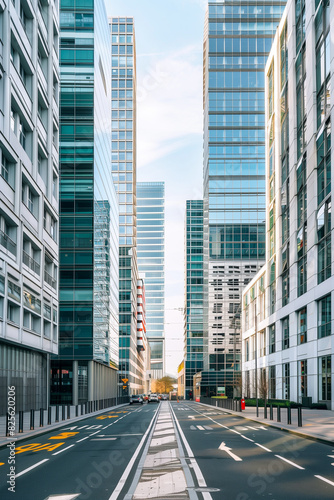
(290, 431)
(56, 425)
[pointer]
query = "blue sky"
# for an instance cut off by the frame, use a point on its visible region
(169, 38)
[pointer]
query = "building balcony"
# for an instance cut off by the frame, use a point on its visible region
(31, 263)
(42, 81)
(50, 280)
(42, 28)
(20, 90)
(7, 243)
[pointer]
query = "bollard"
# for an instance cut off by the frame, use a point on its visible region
(278, 413)
(289, 415)
(49, 415)
(300, 423)
(7, 424)
(63, 412)
(68, 411)
(20, 421)
(32, 420)
(265, 410)
(41, 417)
(82, 408)
(257, 407)
(76, 410)
(57, 413)
(271, 412)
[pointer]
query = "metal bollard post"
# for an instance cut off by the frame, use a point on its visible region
(265, 410)
(57, 413)
(68, 411)
(63, 412)
(20, 421)
(257, 407)
(49, 415)
(300, 423)
(7, 424)
(278, 413)
(82, 408)
(76, 410)
(41, 417)
(289, 415)
(32, 420)
(271, 412)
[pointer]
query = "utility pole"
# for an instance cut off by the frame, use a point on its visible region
(255, 326)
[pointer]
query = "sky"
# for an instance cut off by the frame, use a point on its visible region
(169, 40)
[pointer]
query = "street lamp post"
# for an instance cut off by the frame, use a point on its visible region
(255, 325)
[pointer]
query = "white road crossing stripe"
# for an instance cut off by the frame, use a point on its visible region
(223, 447)
(267, 449)
(326, 480)
(61, 451)
(200, 428)
(289, 462)
(103, 439)
(63, 497)
(208, 428)
(253, 428)
(32, 467)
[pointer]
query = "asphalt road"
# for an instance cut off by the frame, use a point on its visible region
(88, 458)
(242, 460)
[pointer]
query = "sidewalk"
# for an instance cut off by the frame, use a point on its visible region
(46, 428)
(317, 424)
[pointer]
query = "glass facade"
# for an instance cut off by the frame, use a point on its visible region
(88, 316)
(237, 41)
(151, 265)
(123, 166)
(193, 335)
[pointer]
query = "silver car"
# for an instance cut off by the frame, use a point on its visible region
(153, 398)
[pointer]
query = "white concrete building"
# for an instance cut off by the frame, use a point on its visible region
(29, 81)
(292, 339)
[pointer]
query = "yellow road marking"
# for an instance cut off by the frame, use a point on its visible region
(64, 435)
(2, 463)
(38, 447)
(102, 417)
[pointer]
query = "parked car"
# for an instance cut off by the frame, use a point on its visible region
(160, 396)
(164, 397)
(136, 398)
(153, 398)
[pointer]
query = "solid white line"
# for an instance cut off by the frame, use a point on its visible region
(232, 430)
(32, 467)
(322, 479)
(291, 463)
(61, 451)
(125, 474)
(248, 439)
(267, 449)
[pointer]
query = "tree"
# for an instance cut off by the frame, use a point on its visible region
(163, 385)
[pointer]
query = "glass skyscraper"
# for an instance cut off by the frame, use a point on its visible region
(123, 165)
(193, 333)
(151, 265)
(86, 367)
(237, 40)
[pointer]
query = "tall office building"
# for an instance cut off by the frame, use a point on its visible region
(86, 367)
(123, 165)
(151, 265)
(193, 326)
(292, 299)
(237, 40)
(29, 200)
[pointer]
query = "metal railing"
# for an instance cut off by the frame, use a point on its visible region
(7, 242)
(50, 280)
(30, 262)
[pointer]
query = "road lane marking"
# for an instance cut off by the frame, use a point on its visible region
(125, 474)
(63, 497)
(248, 439)
(326, 480)
(253, 428)
(261, 446)
(64, 449)
(2, 463)
(200, 428)
(64, 435)
(228, 450)
(236, 432)
(32, 467)
(208, 428)
(289, 462)
(103, 439)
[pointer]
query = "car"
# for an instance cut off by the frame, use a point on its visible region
(164, 397)
(136, 398)
(160, 396)
(153, 398)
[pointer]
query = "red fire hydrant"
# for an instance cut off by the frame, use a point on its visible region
(243, 404)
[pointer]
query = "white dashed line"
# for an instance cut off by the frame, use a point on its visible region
(261, 446)
(322, 479)
(291, 463)
(32, 467)
(61, 451)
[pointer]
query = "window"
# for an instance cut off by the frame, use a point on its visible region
(8, 235)
(14, 291)
(22, 134)
(272, 382)
(285, 211)
(7, 170)
(13, 312)
(285, 334)
(286, 380)
(325, 378)
(302, 325)
(324, 317)
(272, 339)
(301, 102)
(31, 255)
(301, 192)
(285, 275)
(300, 23)
(324, 162)
(29, 198)
(50, 224)
(323, 61)
(324, 241)
(302, 369)
(262, 343)
(302, 260)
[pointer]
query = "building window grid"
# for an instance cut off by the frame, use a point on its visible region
(323, 75)
(285, 334)
(325, 378)
(324, 241)
(324, 317)
(302, 260)
(324, 162)
(302, 325)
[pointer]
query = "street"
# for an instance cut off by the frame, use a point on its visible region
(171, 450)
